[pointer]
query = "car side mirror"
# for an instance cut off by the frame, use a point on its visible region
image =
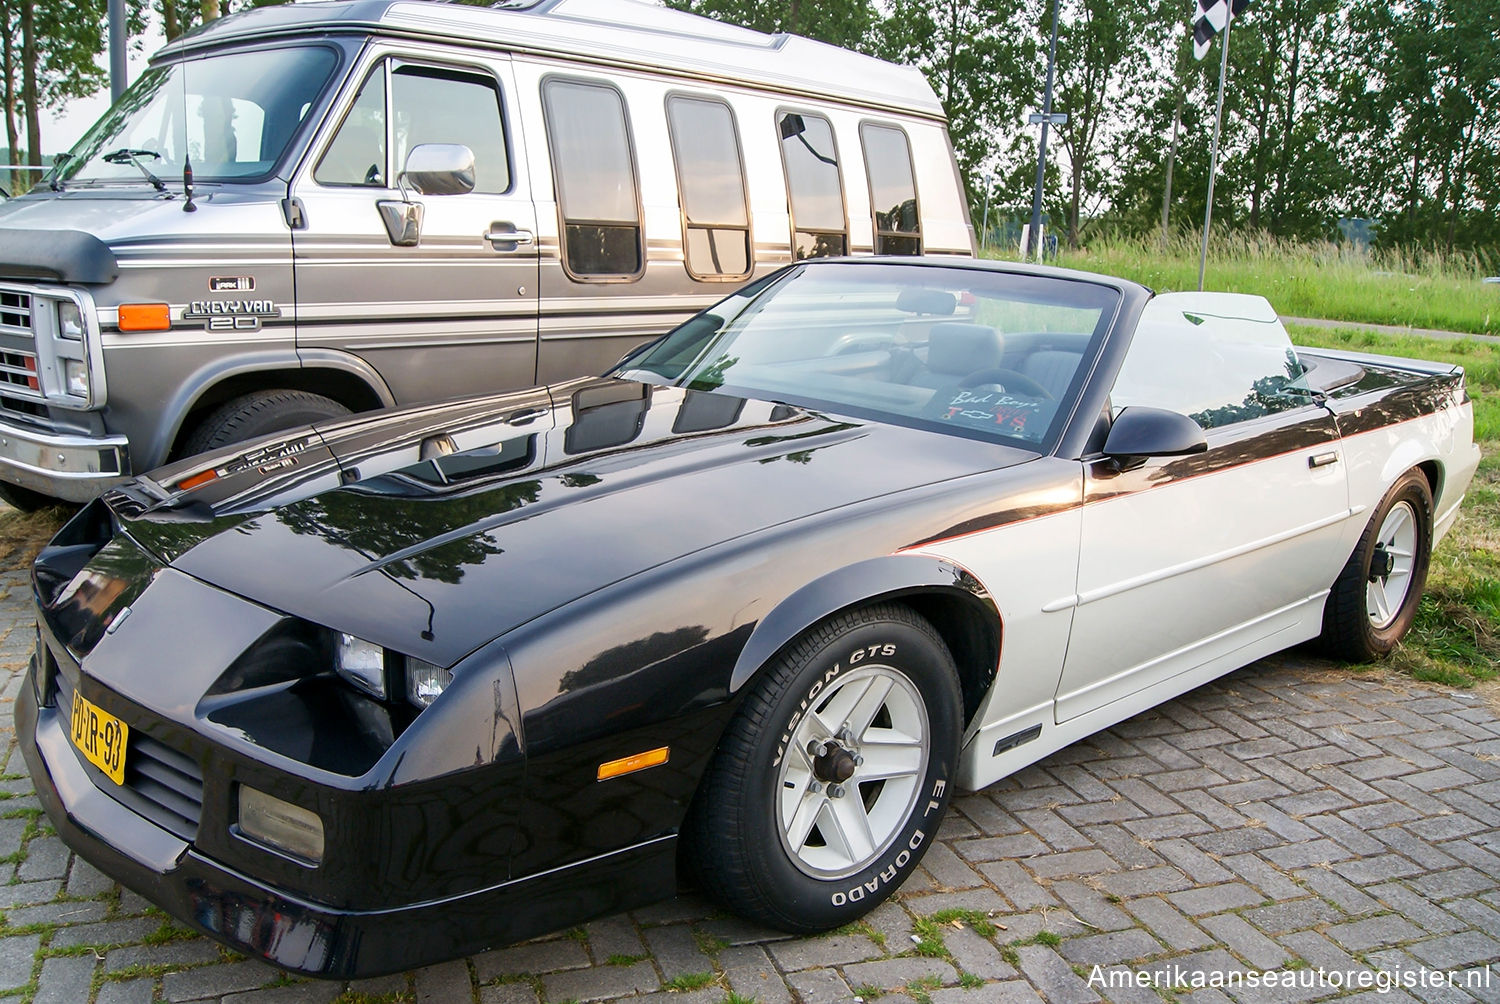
(1138, 433)
(439, 169)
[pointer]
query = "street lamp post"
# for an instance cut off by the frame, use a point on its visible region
(116, 49)
(984, 234)
(1047, 119)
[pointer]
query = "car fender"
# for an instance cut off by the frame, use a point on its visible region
(864, 582)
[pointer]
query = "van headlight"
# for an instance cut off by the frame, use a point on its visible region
(362, 664)
(69, 320)
(76, 373)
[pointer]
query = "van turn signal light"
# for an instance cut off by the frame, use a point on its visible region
(145, 317)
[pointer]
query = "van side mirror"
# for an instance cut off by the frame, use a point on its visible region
(1138, 433)
(439, 169)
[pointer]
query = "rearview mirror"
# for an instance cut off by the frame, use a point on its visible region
(439, 169)
(1137, 433)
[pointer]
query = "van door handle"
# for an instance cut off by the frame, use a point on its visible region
(505, 237)
(1322, 459)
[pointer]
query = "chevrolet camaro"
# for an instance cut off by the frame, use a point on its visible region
(745, 612)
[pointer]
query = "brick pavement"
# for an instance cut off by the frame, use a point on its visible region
(1290, 818)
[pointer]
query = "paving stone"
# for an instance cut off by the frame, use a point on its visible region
(1293, 915)
(1379, 868)
(1128, 850)
(1016, 845)
(510, 993)
(948, 868)
(612, 936)
(1315, 949)
(1237, 841)
(1144, 881)
(66, 912)
(1199, 867)
(1167, 923)
(1091, 906)
(177, 953)
(838, 950)
(891, 974)
(751, 973)
(1347, 835)
(308, 992)
(65, 980)
(676, 951)
(1053, 977)
(1452, 884)
(114, 932)
(443, 983)
(216, 981)
(1008, 992)
(1375, 932)
(17, 955)
(46, 858)
(1056, 831)
(977, 955)
(1416, 908)
(25, 893)
(820, 986)
(128, 992)
(601, 982)
(1052, 866)
(1112, 949)
(1245, 941)
(1216, 899)
(85, 881)
(1306, 852)
(1456, 951)
(1017, 884)
(532, 957)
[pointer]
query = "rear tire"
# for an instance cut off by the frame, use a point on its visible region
(1375, 598)
(804, 840)
(258, 414)
(25, 499)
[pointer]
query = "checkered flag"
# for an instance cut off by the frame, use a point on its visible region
(1208, 20)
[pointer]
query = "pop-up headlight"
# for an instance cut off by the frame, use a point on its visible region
(362, 664)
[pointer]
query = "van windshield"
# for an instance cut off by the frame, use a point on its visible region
(233, 115)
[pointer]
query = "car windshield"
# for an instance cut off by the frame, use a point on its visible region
(976, 352)
(232, 114)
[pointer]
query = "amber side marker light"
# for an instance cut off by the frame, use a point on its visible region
(201, 478)
(145, 317)
(631, 764)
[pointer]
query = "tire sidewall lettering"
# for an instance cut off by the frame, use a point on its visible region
(885, 650)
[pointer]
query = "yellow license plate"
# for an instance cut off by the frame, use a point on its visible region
(100, 737)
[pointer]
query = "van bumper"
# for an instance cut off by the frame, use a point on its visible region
(69, 467)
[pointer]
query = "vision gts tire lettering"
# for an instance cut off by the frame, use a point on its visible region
(829, 784)
(258, 414)
(1375, 597)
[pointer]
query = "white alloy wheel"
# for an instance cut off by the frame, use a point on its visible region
(1391, 565)
(853, 772)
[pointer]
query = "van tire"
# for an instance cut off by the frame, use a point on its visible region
(258, 414)
(24, 499)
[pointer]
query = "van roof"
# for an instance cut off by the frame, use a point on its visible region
(626, 33)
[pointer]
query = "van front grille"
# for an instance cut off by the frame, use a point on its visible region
(15, 312)
(161, 783)
(19, 370)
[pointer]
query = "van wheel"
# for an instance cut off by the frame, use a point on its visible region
(830, 782)
(1375, 598)
(25, 499)
(252, 415)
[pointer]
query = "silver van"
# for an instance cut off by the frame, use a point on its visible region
(304, 210)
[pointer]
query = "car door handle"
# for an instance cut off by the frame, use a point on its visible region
(1322, 459)
(509, 240)
(526, 417)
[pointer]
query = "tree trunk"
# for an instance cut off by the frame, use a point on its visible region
(170, 25)
(211, 10)
(1288, 117)
(1263, 122)
(29, 94)
(8, 68)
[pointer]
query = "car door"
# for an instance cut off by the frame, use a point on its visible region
(1216, 558)
(456, 313)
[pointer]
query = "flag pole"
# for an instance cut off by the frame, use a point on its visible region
(1213, 158)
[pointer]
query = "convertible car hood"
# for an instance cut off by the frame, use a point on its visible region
(441, 556)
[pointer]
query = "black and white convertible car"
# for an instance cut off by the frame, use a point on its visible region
(405, 686)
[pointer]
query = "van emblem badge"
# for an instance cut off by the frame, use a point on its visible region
(231, 315)
(231, 284)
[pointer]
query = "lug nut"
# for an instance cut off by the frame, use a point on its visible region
(814, 786)
(835, 791)
(859, 761)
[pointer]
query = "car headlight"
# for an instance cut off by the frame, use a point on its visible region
(280, 824)
(424, 681)
(362, 664)
(372, 669)
(69, 320)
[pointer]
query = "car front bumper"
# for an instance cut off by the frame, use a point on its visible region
(70, 467)
(290, 932)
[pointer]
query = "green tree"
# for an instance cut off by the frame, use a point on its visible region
(845, 23)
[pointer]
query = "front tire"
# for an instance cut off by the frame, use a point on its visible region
(829, 784)
(252, 415)
(1375, 597)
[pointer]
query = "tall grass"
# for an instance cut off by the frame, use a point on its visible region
(1418, 289)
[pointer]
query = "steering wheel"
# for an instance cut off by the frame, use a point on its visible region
(1003, 379)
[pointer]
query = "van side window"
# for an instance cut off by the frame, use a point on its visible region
(594, 171)
(815, 189)
(711, 178)
(893, 190)
(357, 154)
(433, 105)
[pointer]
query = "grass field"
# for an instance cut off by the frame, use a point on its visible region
(1442, 292)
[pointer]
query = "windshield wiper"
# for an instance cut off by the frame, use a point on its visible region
(125, 155)
(54, 176)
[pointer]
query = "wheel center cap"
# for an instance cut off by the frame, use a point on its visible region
(1382, 564)
(835, 766)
